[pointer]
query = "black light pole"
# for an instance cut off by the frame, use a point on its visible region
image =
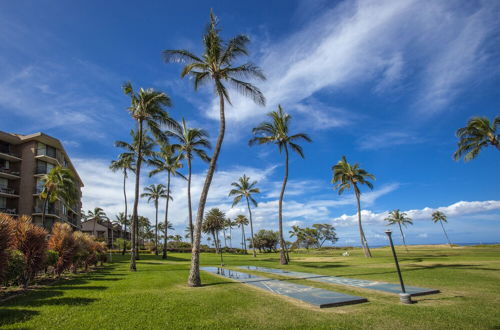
(404, 297)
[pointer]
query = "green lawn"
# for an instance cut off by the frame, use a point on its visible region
(156, 297)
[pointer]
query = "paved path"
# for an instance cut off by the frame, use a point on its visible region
(367, 284)
(314, 296)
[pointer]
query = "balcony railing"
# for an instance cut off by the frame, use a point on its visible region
(41, 170)
(9, 171)
(7, 190)
(8, 211)
(48, 153)
(49, 210)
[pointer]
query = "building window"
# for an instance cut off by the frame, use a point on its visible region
(43, 149)
(4, 147)
(4, 164)
(39, 186)
(4, 183)
(3, 203)
(43, 167)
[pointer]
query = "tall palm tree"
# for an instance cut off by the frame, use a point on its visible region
(154, 193)
(123, 221)
(192, 142)
(216, 65)
(277, 132)
(132, 151)
(98, 215)
(147, 109)
(229, 225)
(164, 227)
(478, 134)
(213, 224)
(438, 216)
(58, 184)
(243, 188)
(124, 163)
(399, 218)
(347, 176)
(166, 160)
(241, 221)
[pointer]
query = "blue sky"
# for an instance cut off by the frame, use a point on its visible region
(386, 83)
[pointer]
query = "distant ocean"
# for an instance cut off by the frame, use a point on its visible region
(382, 245)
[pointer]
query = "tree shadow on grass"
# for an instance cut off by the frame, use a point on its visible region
(66, 301)
(321, 266)
(12, 316)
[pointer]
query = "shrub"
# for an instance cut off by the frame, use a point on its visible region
(119, 242)
(6, 242)
(82, 250)
(15, 267)
(63, 243)
(51, 259)
(31, 241)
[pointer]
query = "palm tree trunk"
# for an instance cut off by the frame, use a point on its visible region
(445, 234)
(243, 242)
(230, 235)
(189, 200)
(134, 253)
(283, 258)
(164, 255)
(220, 250)
(403, 236)
(215, 242)
(156, 228)
(44, 209)
(194, 273)
(251, 227)
(364, 243)
(224, 233)
(125, 198)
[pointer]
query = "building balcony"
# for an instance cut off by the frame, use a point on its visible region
(48, 158)
(4, 154)
(8, 211)
(9, 174)
(49, 212)
(7, 192)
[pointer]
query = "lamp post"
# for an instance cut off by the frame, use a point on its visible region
(404, 297)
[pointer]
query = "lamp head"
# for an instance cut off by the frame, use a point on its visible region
(388, 232)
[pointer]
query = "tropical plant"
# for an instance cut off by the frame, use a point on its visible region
(147, 109)
(241, 221)
(154, 193)
(58, 184)
(266, 240)
(31, 241)
(399, 218)
(229, 225)
(243, 188)
(438, 216)
(166, 160)
(6, 243)
(216, 65)
(98, 216)
(478, 134)
(61, 240)
(326, 233)
(213, 224)
(192, 142)
(125, 164)
(123, 221)
(277, 132)
(347, 176)
(164, 227)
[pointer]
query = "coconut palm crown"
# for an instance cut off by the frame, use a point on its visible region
(399, 218)
(478, 134)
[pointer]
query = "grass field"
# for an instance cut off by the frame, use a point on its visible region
(156, 297)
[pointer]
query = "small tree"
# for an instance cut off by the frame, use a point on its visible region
(399, 218)
(6, 242)
(213, 224)
(438, 216)
(63, 243)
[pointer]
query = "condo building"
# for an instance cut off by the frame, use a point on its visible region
(24, 159)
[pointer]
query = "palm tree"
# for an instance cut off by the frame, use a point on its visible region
(164, 227)
(123, 221)
(97, 215)
(216, 66)
(229, 224)
(241, 221)
(132, 151)
(243, 188)
(166, 161)
(58, 184)
(124, 163)
(347, 176)
(438, 216)
(147, 110)
(277, 132)
(399, 218)
(192, 141)
(212, 224)
(478, 134)
(154, 193)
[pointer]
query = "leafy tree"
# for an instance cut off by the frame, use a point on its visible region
(166, 160)
(243, 188)
(399, 218)
(154, 193)
(347, 176)
(306, 237)
(326, 233)
(478, 134)
(438, 216)
(58, 184)
(216, 65)
(213, 224)
(147, 109)
(241, 221)
(192, 142)
(277, 132)
(267, 240)
(124, 163)
(164, 227)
